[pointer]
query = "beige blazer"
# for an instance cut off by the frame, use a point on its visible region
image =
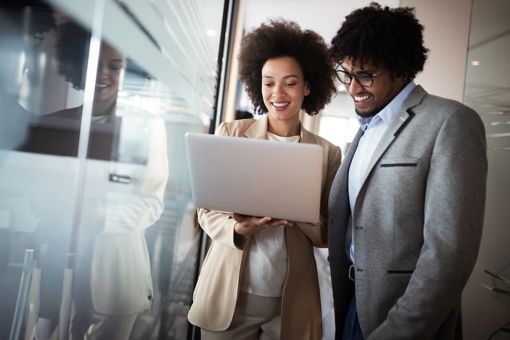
(217, 289)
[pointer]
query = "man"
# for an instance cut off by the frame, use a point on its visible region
(406, 207)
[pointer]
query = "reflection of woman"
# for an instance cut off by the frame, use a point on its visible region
(259, 279)
(71, 52)
(112, 279)
(58, 132)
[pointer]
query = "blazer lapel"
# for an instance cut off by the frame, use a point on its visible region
(344, 205)
(305, 135)
(258, 129)
(396, 126)
(339, 206)
(340, 183)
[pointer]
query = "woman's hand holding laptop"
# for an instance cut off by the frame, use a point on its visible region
(249, 225)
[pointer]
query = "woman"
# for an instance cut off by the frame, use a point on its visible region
(259, 279)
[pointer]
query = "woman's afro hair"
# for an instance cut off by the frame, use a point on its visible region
(280, 38)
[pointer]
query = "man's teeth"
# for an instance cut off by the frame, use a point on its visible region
(101, 85)
(359, 99)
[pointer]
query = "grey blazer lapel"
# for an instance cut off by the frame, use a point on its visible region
(343, 172)
(396, 126)
(350, 153)
(345, 189)
(339, 196)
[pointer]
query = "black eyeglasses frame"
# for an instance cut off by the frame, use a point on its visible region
(367, 79)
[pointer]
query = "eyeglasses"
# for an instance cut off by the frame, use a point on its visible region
(363, 78)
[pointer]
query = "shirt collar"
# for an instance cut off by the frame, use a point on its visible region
(387, 114)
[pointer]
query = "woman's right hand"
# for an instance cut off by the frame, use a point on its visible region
(249, 225)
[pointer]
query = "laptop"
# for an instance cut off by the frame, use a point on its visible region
(255, 177)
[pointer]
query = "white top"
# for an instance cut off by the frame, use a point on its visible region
(266, 264)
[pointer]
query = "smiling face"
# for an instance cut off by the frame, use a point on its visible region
(283, 90)
(109, 74)
(368, 101)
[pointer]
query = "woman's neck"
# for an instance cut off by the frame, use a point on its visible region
(283, 128)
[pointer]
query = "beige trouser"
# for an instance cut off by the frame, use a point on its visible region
(255, 317)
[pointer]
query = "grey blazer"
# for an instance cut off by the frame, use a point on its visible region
(417, 223)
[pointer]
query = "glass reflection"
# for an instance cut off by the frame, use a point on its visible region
(111, 282)
(57, 133)
(487, 90)
(115, 256)
(12, 54)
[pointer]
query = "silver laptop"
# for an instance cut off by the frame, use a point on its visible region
(255, 177)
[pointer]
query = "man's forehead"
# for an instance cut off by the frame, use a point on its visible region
(350, 64)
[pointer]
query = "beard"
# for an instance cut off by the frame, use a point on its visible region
(369, 114)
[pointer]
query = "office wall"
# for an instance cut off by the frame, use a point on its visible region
(446, 35)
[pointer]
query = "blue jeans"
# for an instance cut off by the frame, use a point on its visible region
(352, 329)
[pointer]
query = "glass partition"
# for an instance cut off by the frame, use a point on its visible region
(98, 237)
(486, 312)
